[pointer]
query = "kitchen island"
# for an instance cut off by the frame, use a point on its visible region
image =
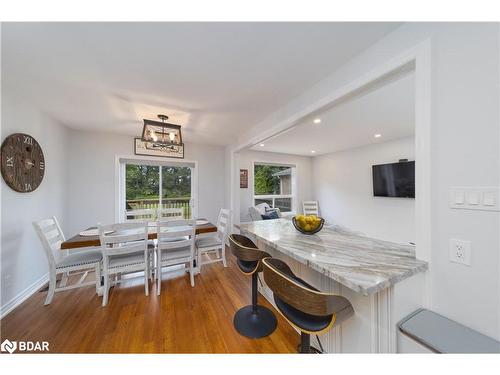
(383, 280)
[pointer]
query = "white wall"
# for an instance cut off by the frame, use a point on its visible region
(23, 261)
(342, 183)
(91, 180)
(304, 177)
(464, 152)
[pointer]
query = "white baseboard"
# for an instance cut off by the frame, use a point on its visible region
(23, 296)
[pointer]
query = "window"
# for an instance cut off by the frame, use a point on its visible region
(154, 186)
(274, 185)
(176, 188)
(142, 183)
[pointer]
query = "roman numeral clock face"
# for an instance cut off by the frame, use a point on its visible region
(23, 164)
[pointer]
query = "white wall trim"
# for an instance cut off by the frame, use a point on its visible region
(498, 326)
(120, 189)
(24, 295)
(423, 166)
(423, 150)
(234, 194)
(374, 323)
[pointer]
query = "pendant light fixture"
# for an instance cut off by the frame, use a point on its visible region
(162, 132)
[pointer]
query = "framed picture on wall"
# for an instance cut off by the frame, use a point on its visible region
(243, 178)
(158, 149)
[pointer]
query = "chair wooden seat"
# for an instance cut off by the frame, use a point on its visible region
(121, 260)
(247, 267)
(174, 239)
(182, 252)
(303, 306)
(80, 259)
(208, 241)
(247, 253)
(306, 322)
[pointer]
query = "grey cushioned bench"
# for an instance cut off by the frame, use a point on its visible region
(443, 335)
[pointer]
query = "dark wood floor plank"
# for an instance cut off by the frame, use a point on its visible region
(182, 320)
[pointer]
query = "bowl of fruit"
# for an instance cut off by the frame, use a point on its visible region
(309, 224)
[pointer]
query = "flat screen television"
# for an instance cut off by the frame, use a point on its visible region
(394, 180)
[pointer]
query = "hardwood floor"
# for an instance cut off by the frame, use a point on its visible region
(181, 320)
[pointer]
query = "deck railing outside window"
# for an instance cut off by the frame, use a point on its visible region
(139, 204)
(283, 202)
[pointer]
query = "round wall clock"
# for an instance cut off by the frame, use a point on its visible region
(23, 164)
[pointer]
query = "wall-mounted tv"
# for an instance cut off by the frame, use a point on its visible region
(394, 180)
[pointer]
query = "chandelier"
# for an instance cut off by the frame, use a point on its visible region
(162, 132)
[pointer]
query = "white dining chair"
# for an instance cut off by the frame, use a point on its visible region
(50, 234)
(140, 216)
(175, 246)
(215, 243)
(144, 215)
(170, 214)
(310, 208)
(124, 249)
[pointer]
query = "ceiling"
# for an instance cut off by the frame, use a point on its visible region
(214, 79)
(388, 110)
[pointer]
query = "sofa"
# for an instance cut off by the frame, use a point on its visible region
(261, 209)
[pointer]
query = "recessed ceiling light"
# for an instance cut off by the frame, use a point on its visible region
(317, 120)
(378, 135)
(261, 145)
(313, 151)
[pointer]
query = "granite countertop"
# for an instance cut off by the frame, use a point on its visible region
(363, 264)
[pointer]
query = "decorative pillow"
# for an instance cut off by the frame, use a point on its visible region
(262, 208)
(270, 214)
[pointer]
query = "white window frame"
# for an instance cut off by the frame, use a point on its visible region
(276, 196)
(122, 160)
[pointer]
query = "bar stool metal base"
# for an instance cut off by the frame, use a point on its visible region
(255, 321)
(305, 345)
(312, 350)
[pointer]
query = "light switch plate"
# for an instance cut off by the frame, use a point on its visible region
(459, 197)
(489, 198)
(473, 197)
(485, 198)
(460, 251)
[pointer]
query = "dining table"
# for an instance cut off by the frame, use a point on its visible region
(78, 241)
(90, 242)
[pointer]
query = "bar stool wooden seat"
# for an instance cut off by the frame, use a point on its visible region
(254, 320)
(306, 308)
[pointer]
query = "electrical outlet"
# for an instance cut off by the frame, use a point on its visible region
(460, 251)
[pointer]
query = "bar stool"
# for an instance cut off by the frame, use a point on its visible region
(254, 320)
(303, 306)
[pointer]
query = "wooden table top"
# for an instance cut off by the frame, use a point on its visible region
(78, 241)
